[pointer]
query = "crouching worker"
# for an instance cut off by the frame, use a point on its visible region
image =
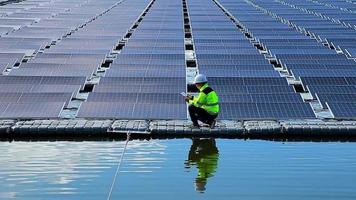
(205, 106)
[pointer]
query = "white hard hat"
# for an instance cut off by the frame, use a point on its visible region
(200, 78)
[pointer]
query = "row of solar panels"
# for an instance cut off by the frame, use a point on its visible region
(323, 72)
(229, 59)
(339, 22)
(146, 78)
(54, 77)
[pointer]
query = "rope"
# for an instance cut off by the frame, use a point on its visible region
(118, 166)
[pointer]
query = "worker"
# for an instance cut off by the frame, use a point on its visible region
(205, 106)
(204, 155)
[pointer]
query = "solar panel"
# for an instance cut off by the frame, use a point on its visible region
(235, 98)
(146, 66)
(159, 111)
(236, 67)
(145, 73)
(351, 80)
(237, 111)
(107, 110)
(342, 110)
(285, 111)
(132, 111)
(45, 97)
(239, 73)
(270, 89)
(311, 57)
(9, 97)
(335, 98)
(134, 97)
(323, 81)
(58, 80)
(140, 80)
(247, 81)
(277, 98)
(140, 88)
(331, 89)
(323, 73)
(36, 110)
(52, 88)
(323, 62)
(52, 72)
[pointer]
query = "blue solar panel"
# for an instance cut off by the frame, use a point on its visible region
(266, 111)
(132, 111)
(239, 73)
(323, 73)
(247, 81)
(323, 81)
(342, 110)
(140, 88)
(335, 98)
(42, 110)
(239, 111)
(136, 97)
(331, 89)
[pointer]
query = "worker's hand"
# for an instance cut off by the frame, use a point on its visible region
(188, 97)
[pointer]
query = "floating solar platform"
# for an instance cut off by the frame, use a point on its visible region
(54, 52)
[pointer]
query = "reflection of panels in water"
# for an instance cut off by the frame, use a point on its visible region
(116, 110)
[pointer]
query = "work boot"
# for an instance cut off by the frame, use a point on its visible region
(212, 124)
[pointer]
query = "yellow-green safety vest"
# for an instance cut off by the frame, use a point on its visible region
(207, 99)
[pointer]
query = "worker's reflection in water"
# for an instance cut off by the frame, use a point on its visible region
(204, 154)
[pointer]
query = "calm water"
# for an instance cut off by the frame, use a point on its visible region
(178, 169)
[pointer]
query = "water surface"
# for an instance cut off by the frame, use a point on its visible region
(178, 169)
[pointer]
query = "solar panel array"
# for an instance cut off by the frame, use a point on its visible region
(43, 86)
(285, 28)
(248, 85)
(66, 42)
(146, 78)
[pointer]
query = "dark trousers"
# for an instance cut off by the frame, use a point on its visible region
(200, 114)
